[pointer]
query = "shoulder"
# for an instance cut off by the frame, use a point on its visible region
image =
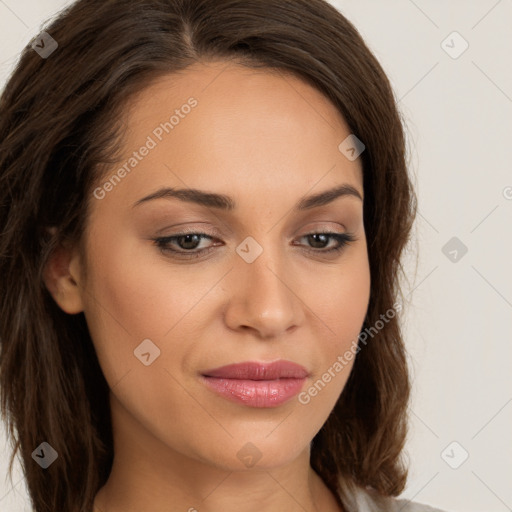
(366, 500)
(412, 506)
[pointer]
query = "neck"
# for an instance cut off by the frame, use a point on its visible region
(148, 476)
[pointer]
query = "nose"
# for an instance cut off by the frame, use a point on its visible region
(262, 297)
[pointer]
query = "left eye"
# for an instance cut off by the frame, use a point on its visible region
(188, 243)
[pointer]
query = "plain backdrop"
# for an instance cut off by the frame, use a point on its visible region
(455, 95)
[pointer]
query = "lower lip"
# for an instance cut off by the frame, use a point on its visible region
(255, 393)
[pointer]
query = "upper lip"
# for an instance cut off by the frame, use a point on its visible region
(251, 370)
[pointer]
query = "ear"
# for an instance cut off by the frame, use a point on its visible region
(62, 279)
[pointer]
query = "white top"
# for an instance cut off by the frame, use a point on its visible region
(367, 500)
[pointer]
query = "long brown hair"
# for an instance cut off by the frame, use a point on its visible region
(60, 124)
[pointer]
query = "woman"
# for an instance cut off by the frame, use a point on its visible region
(203, 208)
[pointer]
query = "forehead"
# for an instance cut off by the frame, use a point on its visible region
(231, 129)
(232, 86)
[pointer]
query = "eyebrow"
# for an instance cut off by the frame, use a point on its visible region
(227, 203)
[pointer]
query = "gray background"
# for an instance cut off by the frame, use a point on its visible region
(458, 111)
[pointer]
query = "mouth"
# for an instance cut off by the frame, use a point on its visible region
(255, 384)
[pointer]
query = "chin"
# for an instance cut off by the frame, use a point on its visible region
(246, 452)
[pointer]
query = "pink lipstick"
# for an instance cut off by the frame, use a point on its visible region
(257, 384)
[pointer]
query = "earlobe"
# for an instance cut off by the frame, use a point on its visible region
(61, 277)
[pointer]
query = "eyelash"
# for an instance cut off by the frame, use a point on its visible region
(162, 243)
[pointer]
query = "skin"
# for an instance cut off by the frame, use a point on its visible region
(266, 140)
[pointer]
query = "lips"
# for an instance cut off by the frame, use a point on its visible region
(257, 384)
(259, 371)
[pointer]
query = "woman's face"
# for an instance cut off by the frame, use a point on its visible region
(162, 315)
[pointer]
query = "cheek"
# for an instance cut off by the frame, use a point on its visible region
(134, 291)
(341, 302)
(129, 299)
(340, 308)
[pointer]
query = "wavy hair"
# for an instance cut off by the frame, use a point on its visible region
(61, 123)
